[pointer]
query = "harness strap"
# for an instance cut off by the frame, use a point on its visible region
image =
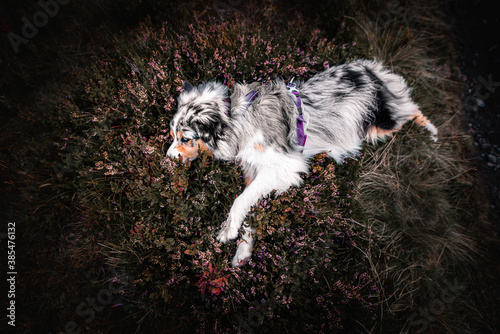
(249, 98)
(252, 96)
(301, 136)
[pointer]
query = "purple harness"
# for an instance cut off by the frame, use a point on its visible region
(301, 136)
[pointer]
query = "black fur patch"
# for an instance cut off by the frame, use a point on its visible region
(381, 111)
(339, 95)
(355, 77)
(285, 125)
(187, 86)
(209, 127)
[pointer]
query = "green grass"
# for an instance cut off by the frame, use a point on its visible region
(384, 243)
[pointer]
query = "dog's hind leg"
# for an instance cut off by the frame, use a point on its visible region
(375, 133)
(421, 120)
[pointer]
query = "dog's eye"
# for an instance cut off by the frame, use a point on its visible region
(184, 140)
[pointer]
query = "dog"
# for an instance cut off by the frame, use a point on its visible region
(272, 130)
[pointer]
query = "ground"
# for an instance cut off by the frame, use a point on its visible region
(475, 27)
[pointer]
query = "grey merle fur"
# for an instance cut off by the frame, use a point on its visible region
(342, 107)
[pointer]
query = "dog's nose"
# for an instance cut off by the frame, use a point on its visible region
(173, 152)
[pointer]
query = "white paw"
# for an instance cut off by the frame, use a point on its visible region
(227, 233)
(243, 254)
(433, 130)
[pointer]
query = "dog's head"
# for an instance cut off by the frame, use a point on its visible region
(200, 120)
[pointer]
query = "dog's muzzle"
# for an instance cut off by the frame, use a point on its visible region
(173, 152)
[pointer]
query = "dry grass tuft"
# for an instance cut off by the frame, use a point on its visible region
(416, 195)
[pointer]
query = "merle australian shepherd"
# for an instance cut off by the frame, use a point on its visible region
(273, 129)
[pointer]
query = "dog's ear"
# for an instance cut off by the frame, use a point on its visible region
(205, 131)
(187, 86)
(209, 129)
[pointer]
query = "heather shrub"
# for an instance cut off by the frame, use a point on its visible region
(155, 219)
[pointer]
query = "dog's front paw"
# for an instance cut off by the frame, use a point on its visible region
(227, 233)
(243, 254)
